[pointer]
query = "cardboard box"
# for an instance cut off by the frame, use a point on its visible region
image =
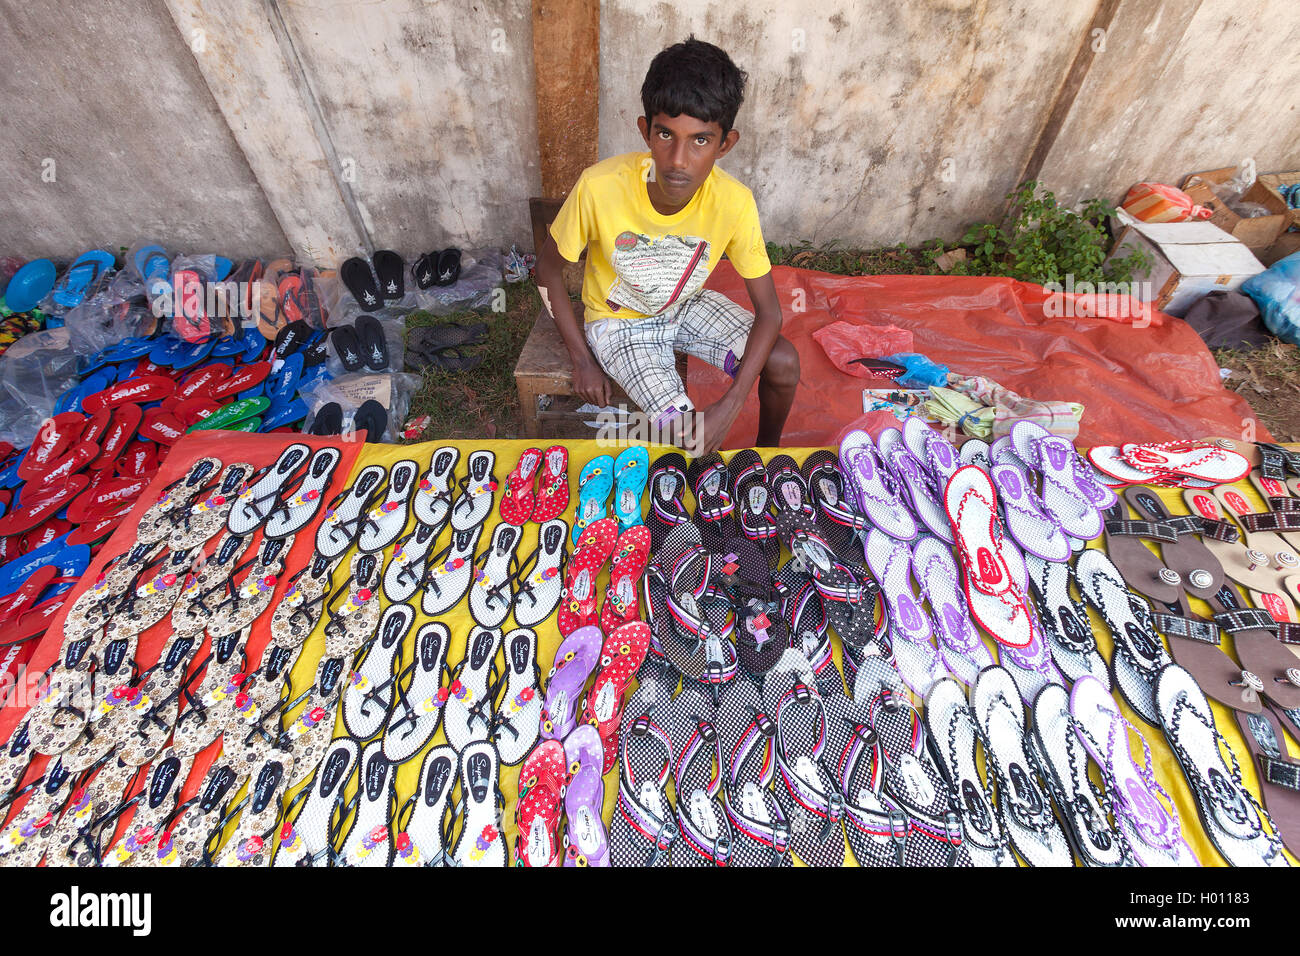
(1190, 260)
(1257, 234)
(1272, 181)
(1288, 244)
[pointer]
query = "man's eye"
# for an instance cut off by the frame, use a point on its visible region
(701, 141)
(664, 134)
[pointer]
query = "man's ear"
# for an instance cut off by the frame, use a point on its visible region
(644, 127)
(729, 141)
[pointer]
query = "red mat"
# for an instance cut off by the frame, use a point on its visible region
(1149, 384)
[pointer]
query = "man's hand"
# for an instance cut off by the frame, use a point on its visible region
(712, 425)
(590, 382)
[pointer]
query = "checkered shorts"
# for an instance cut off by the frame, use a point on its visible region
(638, 353)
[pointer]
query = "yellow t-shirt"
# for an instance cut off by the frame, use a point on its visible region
(640, 262)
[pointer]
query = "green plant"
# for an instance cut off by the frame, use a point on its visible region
(1043, 241)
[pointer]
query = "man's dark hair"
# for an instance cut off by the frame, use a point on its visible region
(695, 78)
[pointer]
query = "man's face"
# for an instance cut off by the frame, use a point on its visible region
(684, 150)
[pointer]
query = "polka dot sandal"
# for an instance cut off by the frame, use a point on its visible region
(620, 658)
(578, 599)
(541, 800)
(585, 841)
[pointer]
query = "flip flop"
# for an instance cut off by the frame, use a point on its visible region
(491, 594)
(294, 513)
(384, 522)
(1063, 764)
(55, 436)
(1068, 494)
(575, 659)
(1033, 529)
(291, 339)
(36, 509)
(245, 379)
(760, 830)
(474, 503)
(228, 416)
(468, 714)
(448, 267)
(620, 659)
(553, 490)
(328, 420)
(961, 649)
(447, 581)
(374, 346)
(748, 483)
(701, 818)
(355, 273)
(910, 627)
(1144, 812)
(644, 828)
(578, 599)
(518, 720)
(872, 491)
(432, 500)
(585, 840)
(595, 482)
(842, 527)
(518, 499)
(372, 418)
(631, 554)
(710, 483)
(391, 271)
(347, 346)
(84, 271)
(667, 482)
(124, 421)
(542, 780)
(631, 470)
(280, 416)
(916, 484)
(1201, 461)
(1063, 621)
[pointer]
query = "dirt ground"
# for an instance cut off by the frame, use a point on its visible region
(1268, 378)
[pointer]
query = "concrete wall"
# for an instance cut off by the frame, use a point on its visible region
(329, 127)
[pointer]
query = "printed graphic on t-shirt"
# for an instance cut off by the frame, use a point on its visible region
(655, 272)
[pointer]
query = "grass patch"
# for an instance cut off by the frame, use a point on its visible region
(1269, 379)
(829, 257)
(481, 402)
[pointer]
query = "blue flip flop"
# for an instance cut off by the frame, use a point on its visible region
(192, 354)
(9, 474)
(279, 415)
(254, 344)
(221, 267)
(595, 482)
(134, 347)
(227, 345)
(310, 376)
(30, 285)
(70, 400)
(71, 561)
(81, 275)
(167, 349)
(631, 469)
(152, 264)
(283, 384)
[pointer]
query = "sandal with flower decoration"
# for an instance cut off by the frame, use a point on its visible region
(205, 517)
(295, 512)
(404, 573)
(540, 581)
(384, 522)
(480, 842)
(518, 498)
(421, 841)
(578, 600)
(159, 518)
(630, 555)
(449, 572)
(542, 780)
(620, 659)
(697, 778)
(415, 714)
(492, 593)
(370, 690)
(631, 470)
(347, 513)
(595, 482)
(585, 840)
(518, 719)
(575, 659)
(250, 844)
(432, 499)
(468, 714)
(313, 828)
(258, 500)
(478, 488)
(553, 485)
(153, 805)
(369, 841)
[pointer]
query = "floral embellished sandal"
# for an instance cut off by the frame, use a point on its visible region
(261, 494)
(432, 499)
(542, 780)
(385, 521)
(348, 513)
(293, 513)
(467, 716)
(406, 571)
(478, 488)
(449, 573)
(492, 593)
(371, 686)
(620, 659)
(541, 576)
(578, 599)
(585, 840)
(417, 711)
(631, 553)
(575, 659)
(480, 842)
(369, 839)
(517, 722)
(309, 838)
(422, 842)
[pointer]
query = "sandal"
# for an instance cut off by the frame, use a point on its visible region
(518, 721)
(450, 573)
(578, 599)
(553, 491)
(518, 498)
(432, 500)
(480, 842)
(542, 780)
(575, 659)
(585, 840)
(631, 553)
(477, 488)
(961, 649)
(644, 828)
(910, 628)
(701, 818)
(631, 471)
(595, 482)
(541, 578)
(1063, 620)
(620, 659)
(417, 708)
(491, 594)
(667, 483)
(760, 831)
(468, 714)
(872, 487)
(370, 691)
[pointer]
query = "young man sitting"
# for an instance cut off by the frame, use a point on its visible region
(654, 225)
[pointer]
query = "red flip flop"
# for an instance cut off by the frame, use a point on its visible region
(620, 658)
(24, 599)
(37, 509)
(140, 459)
(45, 533)
(122, 428)
(78, 458)
(96, 425)
(55, 436)
(161, 426)
(106, 498)
(93, 532)
(202, 381)
(34, 623)
(246, 378)
(519, 499)
(139, 390)
(553, 493)
(578, 599)
(542, 779)
(194, 410)
(631, 555)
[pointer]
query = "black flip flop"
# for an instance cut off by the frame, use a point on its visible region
(328, 420)
(373, 418)
(448, 266)
(425, 270)
(292, 338)
(315, 352)
(453, 360)
(391, 270)
(429, 338)
(347, 346)
(374, 346)
(355, 274)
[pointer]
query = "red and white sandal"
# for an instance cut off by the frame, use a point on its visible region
(578, 599)
(553, 491)
(620, 658)
(542, 781)
(631, 555)
(519, 499)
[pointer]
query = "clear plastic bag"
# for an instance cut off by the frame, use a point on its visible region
(1233, 189)
(393, 390)
(480, 276)
(34, 372)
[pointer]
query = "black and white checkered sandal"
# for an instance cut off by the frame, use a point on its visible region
(667, 486)
(644, 828)
(911, 785)
(385, 521)
(1026, 808)
(753, 502)
(541, 575)
(1231, 817)
(760, 830)
(953, 735)
(701, 818)
(371, 687)
(810, 798)
(492, 593)
(806, 622)
(417, 711)
(837, 521)
(258, 500)
(1063, 764)
(420, 837)
(699, 642)
(1064, 621)
(432, 500)
(477, 491)
(876, 830)
(347, 513)
(467, 716)
(449, 572)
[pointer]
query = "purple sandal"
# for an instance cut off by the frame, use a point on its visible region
(575, 659)
(585, 842)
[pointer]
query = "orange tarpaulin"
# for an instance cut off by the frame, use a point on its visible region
(1137, 384)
